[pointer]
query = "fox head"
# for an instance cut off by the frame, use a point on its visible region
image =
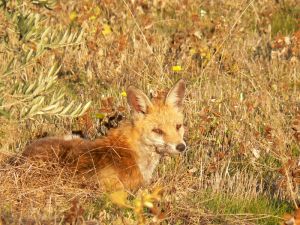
(159, 123)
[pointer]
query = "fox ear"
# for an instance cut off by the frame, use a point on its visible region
(176, 94)
(137, 100)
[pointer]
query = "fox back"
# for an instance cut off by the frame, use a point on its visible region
(128, 155)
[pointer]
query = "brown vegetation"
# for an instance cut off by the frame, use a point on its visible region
(241, 63)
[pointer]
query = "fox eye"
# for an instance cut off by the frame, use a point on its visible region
(158, 131)
(178, 126)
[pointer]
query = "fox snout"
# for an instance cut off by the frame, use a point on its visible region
(175, 148)
(180, 147)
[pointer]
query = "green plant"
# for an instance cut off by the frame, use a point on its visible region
(285, 21)
(41, 94)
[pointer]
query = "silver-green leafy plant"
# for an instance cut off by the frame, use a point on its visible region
(33, 32)
(40, 95)
(49, 4)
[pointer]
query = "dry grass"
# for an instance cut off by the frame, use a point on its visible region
(242, 165)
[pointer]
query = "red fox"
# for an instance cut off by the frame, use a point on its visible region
(128, 155)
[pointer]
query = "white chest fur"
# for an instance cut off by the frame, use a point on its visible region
(148, 160)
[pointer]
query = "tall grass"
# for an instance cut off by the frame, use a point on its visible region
(60, 58)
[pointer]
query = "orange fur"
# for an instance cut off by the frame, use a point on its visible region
(127, 156)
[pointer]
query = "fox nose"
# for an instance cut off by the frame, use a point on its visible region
(180, 147)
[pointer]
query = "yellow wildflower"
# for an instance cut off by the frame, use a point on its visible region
(124, 94)
(73, 16)
(92, 18)
(176, 68)
(106, 29)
